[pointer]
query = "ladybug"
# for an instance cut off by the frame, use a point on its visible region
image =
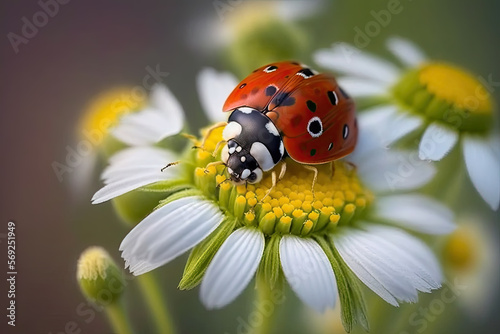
(286, 109)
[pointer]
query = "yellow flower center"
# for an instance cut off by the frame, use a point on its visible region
(93, 264)
(457, 87)
(292, 206)
(460, 250)
(105, 110)
(447, 94)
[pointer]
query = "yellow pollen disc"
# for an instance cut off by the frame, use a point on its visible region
(291, 206)
(105, 110)
(456, 86)
(460, 250)
(93, 264)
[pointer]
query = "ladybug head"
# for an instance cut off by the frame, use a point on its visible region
(241, 165)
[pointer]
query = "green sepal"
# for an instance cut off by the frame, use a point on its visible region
(201, 256)
(166, 186)
(353, 309)
(270, 265)
(178, 195)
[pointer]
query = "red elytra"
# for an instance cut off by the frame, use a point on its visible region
(316, 118)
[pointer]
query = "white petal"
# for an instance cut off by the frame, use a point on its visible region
(402, 124)
(359, 87)
(232, 267)
(168, 232)
(416, 212)
(383, 169)
(214, 88)
(420, 252)
(164, 117)
(389, 261)
(308, 271)
(373, 122)
(483, 166)
(437, 142)
(396, 170)
(133, 168)
(407, 52)
(347, 59)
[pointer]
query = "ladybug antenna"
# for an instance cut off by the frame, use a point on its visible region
(170, 164)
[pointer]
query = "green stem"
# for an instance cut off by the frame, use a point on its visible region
(153, 296)
(264, 299)
(118, 319)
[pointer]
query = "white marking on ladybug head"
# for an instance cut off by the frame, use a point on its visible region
(243, 159)
(246, 110)
(231, 150)
(232, 130)
(238, 149)
(245, 174)
(224, 155)
(315, 127)
(272, 128)
(230, 170)
(262, 155)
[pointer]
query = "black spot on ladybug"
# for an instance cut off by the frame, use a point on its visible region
(242, 85)
(271, 90)
(330, 147)
(313, 152)
(287, 76)
(297, 120)
(270, 69)
(311, 105)
(345, 133)
(294, 63)
(254, 91)
(306, 73)
(283, 99)
(315, 127)
(344, 94)
(333, 97)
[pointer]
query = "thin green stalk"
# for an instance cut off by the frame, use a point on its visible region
(263, 301)
(118, 319)
(154, 298)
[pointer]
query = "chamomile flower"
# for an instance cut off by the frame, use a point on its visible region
(352, 225)
(109, 123)
(451, 106)
(470, 256)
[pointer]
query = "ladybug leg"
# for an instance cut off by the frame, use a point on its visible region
(210, 130)
(190, 137)
(352, 167)
(274, 181)
(282, 171)
(332, 168)
(170, 164)
(315, 171)
(217, 147)
(225, 180)
(215, 163)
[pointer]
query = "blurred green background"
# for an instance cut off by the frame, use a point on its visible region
(89, 47)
